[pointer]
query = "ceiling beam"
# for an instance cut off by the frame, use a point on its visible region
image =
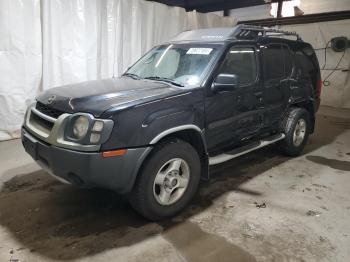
(304, 19)
(205, 6)
(279, 8)
(228, 4)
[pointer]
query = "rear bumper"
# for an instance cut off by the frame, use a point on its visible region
(87, 169)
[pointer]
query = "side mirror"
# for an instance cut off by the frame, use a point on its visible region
(225, 82)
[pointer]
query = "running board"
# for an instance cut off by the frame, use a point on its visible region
(245, 149)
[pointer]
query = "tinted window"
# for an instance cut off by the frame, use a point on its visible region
(288, 65)
(273, 62)
(307, 67)
(304, 63)
(240, 61)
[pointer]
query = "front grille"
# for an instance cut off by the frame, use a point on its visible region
(49, 111)
(41, 123)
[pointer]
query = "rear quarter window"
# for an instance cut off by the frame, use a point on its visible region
(305, 64)
(307, 67)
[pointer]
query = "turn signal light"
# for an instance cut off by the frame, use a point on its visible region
(119, 152)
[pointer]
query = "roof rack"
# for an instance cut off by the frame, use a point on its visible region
(251, 31)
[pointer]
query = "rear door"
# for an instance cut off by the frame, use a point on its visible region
(235, 115)
(277, 68)
(306, 75)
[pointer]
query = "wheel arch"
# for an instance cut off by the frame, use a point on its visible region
(309, 106)
(174, 130)
(191, 134)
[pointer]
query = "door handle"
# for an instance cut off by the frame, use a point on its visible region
(259, 95)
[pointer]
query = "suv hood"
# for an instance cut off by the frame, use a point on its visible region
(97, 96)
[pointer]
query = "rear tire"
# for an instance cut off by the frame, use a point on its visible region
(168, 180)
(296, 127)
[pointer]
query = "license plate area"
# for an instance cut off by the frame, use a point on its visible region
(30, 145)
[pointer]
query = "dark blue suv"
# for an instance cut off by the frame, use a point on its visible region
(201, 99)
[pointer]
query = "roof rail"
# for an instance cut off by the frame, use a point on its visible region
(252, 31)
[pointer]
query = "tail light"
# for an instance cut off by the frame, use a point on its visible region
(319, 88)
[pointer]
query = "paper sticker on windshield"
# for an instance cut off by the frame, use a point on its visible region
(199, 51)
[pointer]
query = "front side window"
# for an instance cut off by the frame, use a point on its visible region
(241, 62)
(182, 63)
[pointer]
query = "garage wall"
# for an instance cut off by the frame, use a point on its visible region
(252, 12)
(323, 6)
(307, 6)
(337, 94)
(44, 44)
(20, 61)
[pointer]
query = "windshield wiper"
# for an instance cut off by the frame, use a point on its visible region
(164, 79)
(133, 76)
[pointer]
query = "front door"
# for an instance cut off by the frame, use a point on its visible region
(235, 115)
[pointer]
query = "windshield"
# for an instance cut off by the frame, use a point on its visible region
(181, 64)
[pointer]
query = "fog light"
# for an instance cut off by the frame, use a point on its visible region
(95, 138)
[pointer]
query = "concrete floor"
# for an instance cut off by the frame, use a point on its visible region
(259, 207)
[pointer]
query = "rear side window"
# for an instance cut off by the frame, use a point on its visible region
(273, 62)
(240, 61)
(288, 61)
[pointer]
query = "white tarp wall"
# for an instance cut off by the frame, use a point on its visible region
(20, 61)
(44, 44)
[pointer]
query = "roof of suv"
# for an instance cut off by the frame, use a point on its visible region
(229, 33)
(210, 34)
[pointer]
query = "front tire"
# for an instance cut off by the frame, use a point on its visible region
(168, 180)
(296, 127)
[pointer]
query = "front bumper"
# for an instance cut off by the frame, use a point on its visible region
(87, 169)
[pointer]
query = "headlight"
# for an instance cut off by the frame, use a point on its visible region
(85, 129)
(98, 126)
(81, 127)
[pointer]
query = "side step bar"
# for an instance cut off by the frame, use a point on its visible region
(245, 149)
